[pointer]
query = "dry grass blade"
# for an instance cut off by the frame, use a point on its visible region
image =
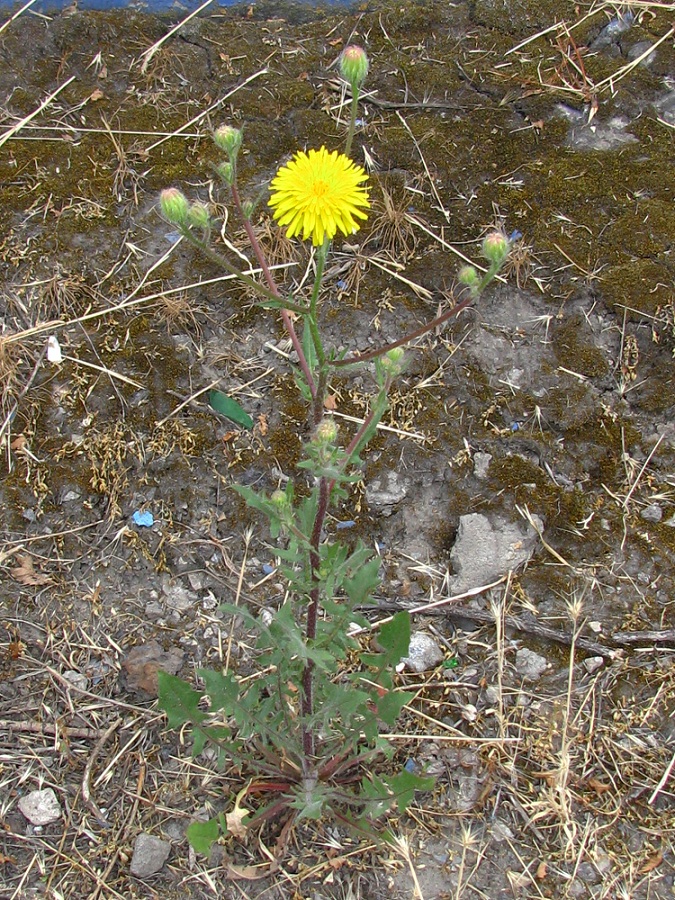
(207, 112)
(36, 112)
(16, 15)
(150, 52)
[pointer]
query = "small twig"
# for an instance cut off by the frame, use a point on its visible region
(664, 778)
(86, 777)
(47, 729)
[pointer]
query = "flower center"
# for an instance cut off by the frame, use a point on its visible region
(319, 189)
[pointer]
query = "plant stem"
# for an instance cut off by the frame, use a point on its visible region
(262, 262)
(352, 119)
(312, 617)
(418, 332)
(312, 321)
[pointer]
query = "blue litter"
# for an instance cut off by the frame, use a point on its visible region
(350, 523)
(268, 569)
(411, 766)
(342, 284)
(515, 426)
(515, 236)
(143, 519)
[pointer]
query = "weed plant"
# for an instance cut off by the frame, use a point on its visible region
(305, 731)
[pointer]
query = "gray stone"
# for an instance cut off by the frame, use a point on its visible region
(178, 597)
(41, 807)
(77, 679)
(423, 653)
(652, 513)
(150, 854)
(481, 464)
(385, 492)
(485, 550)
(593, 663)
(530, 665)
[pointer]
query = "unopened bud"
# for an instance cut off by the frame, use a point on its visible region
(326, 432)
(198, 215)
(354, 65)
(468, 276)
(279, 500)
(393, 361)
(495, 247)
(174, 206)
(226, 172)
(228, 139)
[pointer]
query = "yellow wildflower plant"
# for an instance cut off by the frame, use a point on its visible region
(317, 194)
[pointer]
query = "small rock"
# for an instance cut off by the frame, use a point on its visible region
(177, 596)
(150, 854)
(485, 550)
(153, 610)
(423, 653)
(481, 464)
(385, 492)
(652, 513)
(529, 665)
(77, 679)
(41, 807)
(141, 664)
(501, 832)
(593, 663)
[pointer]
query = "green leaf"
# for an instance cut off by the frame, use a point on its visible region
(229, 408)
(404, 786)
(222, 689)
(390, 705)
(203, 835)
(179, 701)
(394, 638)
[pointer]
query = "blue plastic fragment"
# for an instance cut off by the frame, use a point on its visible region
(350, 523)
(515, 426)
(342, 284)
(268, 569)
(411, 766)
(143, 519)
(515, 236)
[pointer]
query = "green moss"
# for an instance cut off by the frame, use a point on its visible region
(575, 350)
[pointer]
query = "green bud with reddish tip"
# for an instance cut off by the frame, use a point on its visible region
(468, 276)
(228, 139)
(198, 215)
(495, 247)
(174, 206)
(354, 65)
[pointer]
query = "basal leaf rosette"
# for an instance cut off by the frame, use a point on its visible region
(316, 194)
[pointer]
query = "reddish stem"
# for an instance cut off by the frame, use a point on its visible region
(312, 617)
(418, 332)
(269, 278)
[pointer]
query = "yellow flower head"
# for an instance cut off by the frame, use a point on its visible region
(319, 193)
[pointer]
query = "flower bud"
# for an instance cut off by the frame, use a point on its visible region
(198, 215)
(495, 247)
(354, 65)
(226, 172)
(468, 276)
(393, 361)
(279, 500)
(326, 432)
(174, 206)
(228, 139)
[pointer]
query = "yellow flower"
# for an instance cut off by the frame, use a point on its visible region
(319, 193)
